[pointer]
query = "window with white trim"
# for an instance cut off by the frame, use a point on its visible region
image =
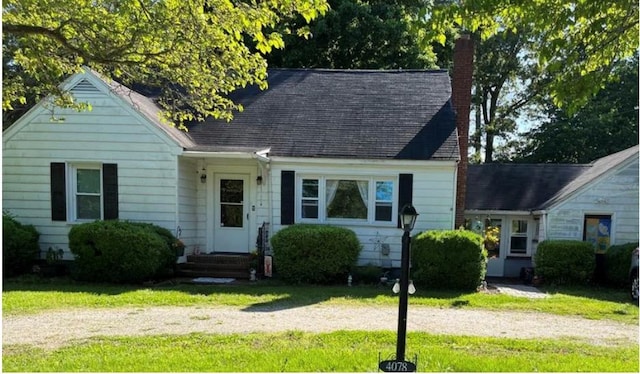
(346, 199)
(519, 240)
(85, 192)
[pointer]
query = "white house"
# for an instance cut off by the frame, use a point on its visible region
(343, 147)
(596, 202)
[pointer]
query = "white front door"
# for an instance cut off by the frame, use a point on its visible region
(231, 226)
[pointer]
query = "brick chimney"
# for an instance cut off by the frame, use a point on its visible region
(461, 81)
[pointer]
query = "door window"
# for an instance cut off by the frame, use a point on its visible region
(231, 203)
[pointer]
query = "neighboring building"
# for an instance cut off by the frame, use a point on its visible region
(596, 202)
(343, 147)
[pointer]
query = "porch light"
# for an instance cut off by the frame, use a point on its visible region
(203, 176)
(259, 180)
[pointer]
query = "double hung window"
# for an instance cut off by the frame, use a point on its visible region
(519, 237)
(85, 192)
(342, 199)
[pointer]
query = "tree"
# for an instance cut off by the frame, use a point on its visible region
(501, 66)
(576, 42)
(368, 34)
(607, 124)
(194, 51)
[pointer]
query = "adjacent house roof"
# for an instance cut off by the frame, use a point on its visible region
(368, 114)
(525, 187)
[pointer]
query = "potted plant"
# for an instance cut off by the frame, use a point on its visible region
(178, 247)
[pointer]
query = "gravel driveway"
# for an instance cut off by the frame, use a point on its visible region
(54, 329)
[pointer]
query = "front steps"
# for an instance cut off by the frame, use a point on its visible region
(216, 265)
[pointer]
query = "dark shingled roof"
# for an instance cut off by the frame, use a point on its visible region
(516, 186)
(368, 114)
(523, 187)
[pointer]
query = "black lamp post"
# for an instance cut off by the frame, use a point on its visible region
(407, 216)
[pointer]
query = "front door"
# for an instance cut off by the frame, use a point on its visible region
(231, 226)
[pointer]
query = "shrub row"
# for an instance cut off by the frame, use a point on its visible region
(574, 262)
(317, 254)
(19, 246)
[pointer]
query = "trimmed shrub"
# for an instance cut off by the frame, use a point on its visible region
(565, 262)
(453, 259)
(318, 254)
(169, 255)
(617, 261)
(19, 246)
(116, 251)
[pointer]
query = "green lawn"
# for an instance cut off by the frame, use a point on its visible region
(296, 351)
(20, 297)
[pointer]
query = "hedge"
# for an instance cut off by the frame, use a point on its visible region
(19, 246)
(453, 259)
(116, 251)
(565, 262)
(617, 262)
(318, 254)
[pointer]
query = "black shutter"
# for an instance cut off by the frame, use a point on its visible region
(287, 197)
(110, 190)
(405, 191)
(58, 191)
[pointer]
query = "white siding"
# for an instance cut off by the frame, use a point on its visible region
(188, 217)
(615, 194)
(433, 198)
(111, 133)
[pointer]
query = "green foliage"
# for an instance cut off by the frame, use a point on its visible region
(575, 43)
(195, 51)
(606, 125)
(565, 262)
(371, 34)
(617, 261)
(169, 251)
(454, 259)
(19, 246)
(314, 253)
(116, 251)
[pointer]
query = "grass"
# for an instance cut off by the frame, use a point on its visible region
(344, 351)
(24, 296)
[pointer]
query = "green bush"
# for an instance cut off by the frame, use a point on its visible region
(562, 262)
(116, 251)
(617, 261)
(168, 260)
(317, 254)
(19, 246)
(453, 259)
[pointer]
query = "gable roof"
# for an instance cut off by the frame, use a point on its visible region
(526, 187)
(92, 83)
(367, 114)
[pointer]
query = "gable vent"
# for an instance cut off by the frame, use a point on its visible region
(84, 86)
